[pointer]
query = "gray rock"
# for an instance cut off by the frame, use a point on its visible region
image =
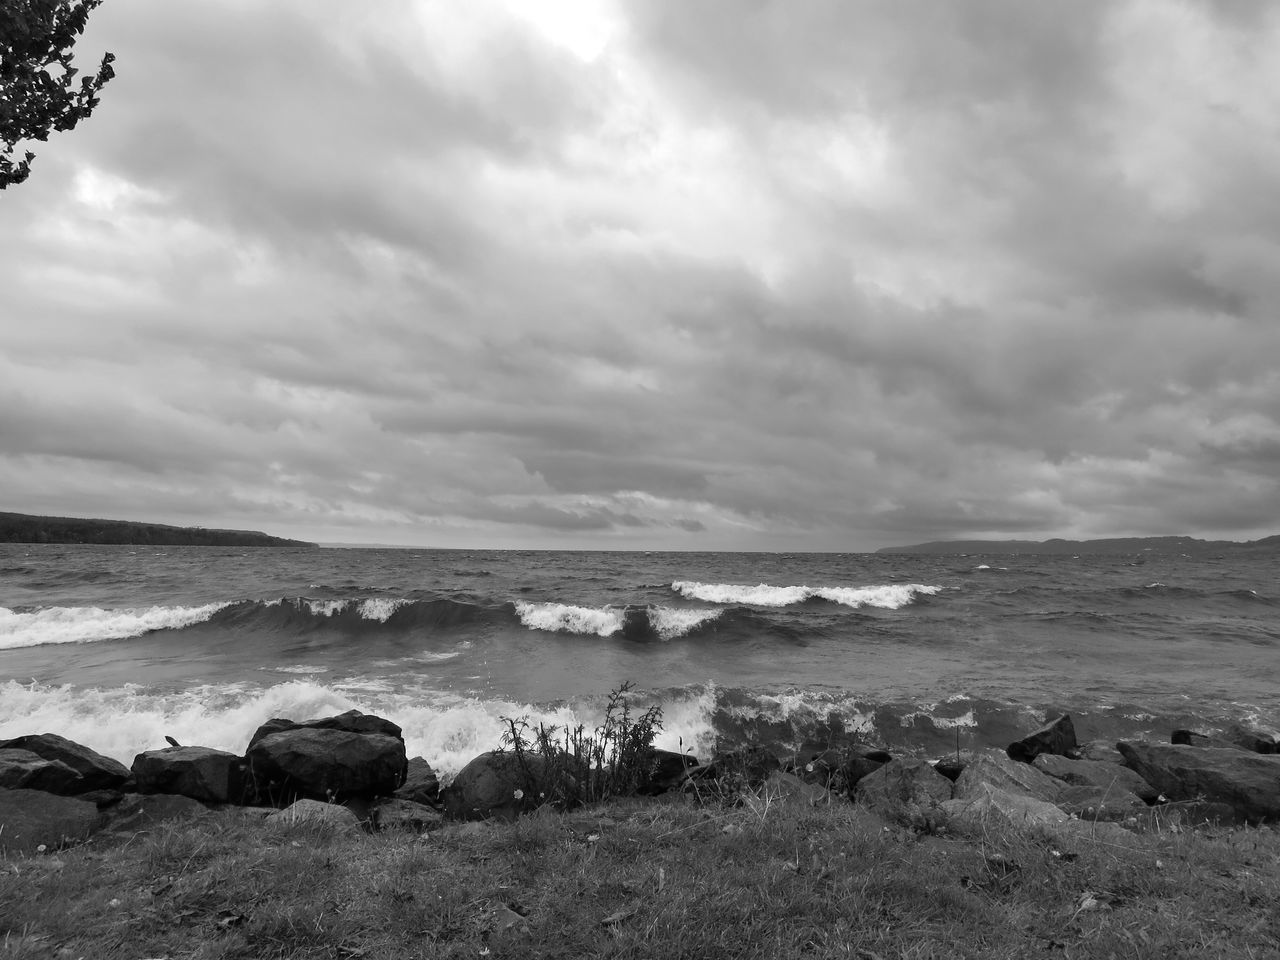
(860, 761)
(421, 785)
(950, 767)
(493, 785)
(664, 771)
(353, 721)
(906, 790)
(1234, 738)
(788, 786)
(1090, 802)
(1097, 774)
(137, 812)
(986, 806)
(316, 812)
(1103, 751)
(30, 819)
(406, 816)
(325, 764)
(752, 763)
(1058, 736)
(201, 773)
(97, 772)
(1248, 782)
(24, 770)
(1011, 776)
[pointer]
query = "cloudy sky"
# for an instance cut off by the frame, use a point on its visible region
(763, 274)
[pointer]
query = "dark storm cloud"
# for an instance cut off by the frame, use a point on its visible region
(822, 274)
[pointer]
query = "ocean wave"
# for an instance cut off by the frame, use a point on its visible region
(889, 596)
(90, 624)
(566, 618)
(632, 622)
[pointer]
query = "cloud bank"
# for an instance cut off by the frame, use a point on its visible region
(822, 275)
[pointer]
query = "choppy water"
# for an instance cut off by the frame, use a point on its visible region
(118, 646)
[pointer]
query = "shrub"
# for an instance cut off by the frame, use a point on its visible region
(568, 767)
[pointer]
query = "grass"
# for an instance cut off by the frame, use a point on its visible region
(662, 878)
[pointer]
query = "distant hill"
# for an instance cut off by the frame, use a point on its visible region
(1108, 547)
(24, 528)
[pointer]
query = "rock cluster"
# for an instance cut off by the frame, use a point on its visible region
(351, 771)
(54, 791)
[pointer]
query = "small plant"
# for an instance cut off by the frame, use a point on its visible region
(568, 767)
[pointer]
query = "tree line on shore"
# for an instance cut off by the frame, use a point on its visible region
(25, 528)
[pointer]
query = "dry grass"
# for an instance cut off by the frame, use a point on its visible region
(667, 878)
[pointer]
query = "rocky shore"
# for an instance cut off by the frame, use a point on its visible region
(352, 769)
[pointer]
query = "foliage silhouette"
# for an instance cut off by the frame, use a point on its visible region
(37, 80)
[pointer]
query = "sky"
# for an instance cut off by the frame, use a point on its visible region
(649, 274)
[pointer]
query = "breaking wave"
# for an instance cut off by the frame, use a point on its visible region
(88, 624)
(888, 596)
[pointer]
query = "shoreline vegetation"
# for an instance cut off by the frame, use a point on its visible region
(323, 841)
(26, 528)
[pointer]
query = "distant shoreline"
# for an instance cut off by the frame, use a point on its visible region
(27, 528)
(1113, 546)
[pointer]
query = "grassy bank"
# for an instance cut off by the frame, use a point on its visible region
(664, 878)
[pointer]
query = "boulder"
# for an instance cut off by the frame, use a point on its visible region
(1235, 739)
(1103, 751)
(909, 791)
(421, 785)
(316, 812)
(30, 819)
(860, 761)
(1090, 802)
(24, 770)
(494, 785)
(201, 773)
(664, 770)
(788, 786)
(752, 763)
(97, 772)
(1248, 782)
(1096, 774)
(950, 767)
(1192, 813)
(1253, 738)
(1011, 776)
(138, 812)
(323, 763)
(406, 816)
(103, 799)
(1058, 736)
(353, 721)
(985, 803)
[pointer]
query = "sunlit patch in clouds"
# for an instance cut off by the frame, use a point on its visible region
(649, 275)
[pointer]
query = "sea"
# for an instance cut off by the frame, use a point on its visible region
(118, 647)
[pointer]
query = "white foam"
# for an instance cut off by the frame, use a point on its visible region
(380, 608)
(562, 618)
(966, 719)
(672, 622)
(448, 729)
(89, 624)
(761, 595)
(297, 668)
(890, 596)
(326, 608)
(802, 707)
